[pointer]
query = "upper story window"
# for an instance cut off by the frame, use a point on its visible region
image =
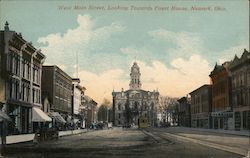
(119, 106)
(36, 74)
(13, 63)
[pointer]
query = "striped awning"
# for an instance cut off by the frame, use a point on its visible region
(57, 117)
(39, 116)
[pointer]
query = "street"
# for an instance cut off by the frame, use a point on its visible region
(118, 142)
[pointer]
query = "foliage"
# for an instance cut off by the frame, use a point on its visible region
(104, 110)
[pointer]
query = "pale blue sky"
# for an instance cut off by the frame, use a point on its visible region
(114, 38)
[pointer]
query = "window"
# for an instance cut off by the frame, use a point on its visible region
(23, 91)
(69, 101)
(244, 119)
(28, 73)
(9, 62)
(10, 86)
(33, 95)
(28, 93)
(14, 63)
(23, 66)
(17, 90)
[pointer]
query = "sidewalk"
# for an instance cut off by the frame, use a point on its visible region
(233, 141)
(30, 137)
(67, 133)
(233, 132)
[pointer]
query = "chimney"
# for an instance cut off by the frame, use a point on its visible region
(6, 27)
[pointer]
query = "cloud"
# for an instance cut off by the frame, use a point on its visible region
(142, 53)
(100, 86)
(228, 54)
(181, 76)
(62, 47)
(184, 76)
(185, 43)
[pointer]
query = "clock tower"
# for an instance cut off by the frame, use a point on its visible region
(135, 82)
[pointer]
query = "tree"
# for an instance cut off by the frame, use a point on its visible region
(104, 110)
(127, 112)
(169, 106)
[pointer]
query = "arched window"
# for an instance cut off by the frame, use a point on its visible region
(119, 106)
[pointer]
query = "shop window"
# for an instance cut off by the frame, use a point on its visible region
(248, 120)
(237, 120)
(13, 113)
(244, 119)
(221, 123)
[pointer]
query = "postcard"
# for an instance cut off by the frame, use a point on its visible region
(109, 78)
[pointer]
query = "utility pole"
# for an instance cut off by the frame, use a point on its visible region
(77, 67)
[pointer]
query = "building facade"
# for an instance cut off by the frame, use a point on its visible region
(89, 110)
(20, 83)
(201, 102)
(222, 115)
(76, 96)
(240, 72)
(184, 118)
(57, 87)
(130, 105)
(78, 92)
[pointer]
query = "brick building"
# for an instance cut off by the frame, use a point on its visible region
(240, 70)
(222, 115)
(20, 84)
(184, 118)
(57, 87)
(201, 101)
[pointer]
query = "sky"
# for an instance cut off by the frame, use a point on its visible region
(175, 46)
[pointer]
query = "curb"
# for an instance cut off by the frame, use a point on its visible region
(71, 133)
(218, 131)
(235, 150)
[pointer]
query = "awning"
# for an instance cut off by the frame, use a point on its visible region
(57, 117)
(70, 120)
(4, 117)
(39, 115)
(76, 120)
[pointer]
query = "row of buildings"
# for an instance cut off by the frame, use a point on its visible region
(223, 104)
(34, 95)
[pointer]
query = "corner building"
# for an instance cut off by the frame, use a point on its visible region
(132, 104)
(240, 72)
(20, 86)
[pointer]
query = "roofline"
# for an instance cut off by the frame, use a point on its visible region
(203, 86)
(55, 66)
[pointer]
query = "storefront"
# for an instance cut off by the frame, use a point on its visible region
(222, 120)
(40, 119)
(201, 120)
(21, 119)
(242, 120)
(57, 120)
